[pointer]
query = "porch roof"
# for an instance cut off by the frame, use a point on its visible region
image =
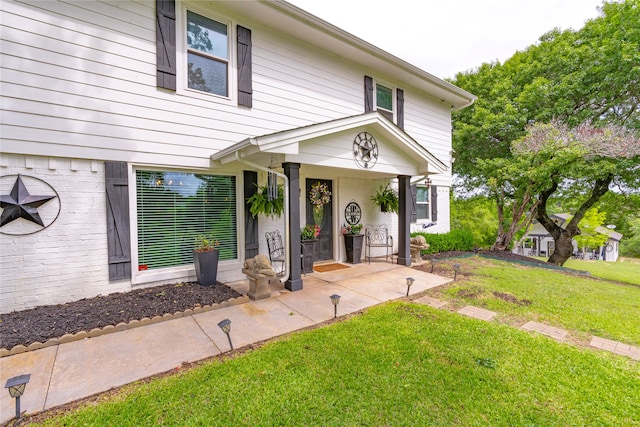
(330, 144)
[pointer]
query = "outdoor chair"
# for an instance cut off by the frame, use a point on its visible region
(276, 251)
(377, 236)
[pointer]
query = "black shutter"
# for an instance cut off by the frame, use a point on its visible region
(251, 244)
(166, 43)
(368, 94)
(434, 203)
(245, 89)
(118, 227)
(400, 106)
(413, 217)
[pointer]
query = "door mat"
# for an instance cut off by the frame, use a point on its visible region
(329, 267)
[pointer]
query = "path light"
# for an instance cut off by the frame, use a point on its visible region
(16, 387)
(225, 325)
(433, 264)
(335, 299)
(410, 281)
(456, 269)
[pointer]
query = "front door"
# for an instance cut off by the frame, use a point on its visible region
(324, 246)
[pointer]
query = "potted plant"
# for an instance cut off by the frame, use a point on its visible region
(308, 234)
(205, 259)
(386, 198)
(353, 242)
(262, 204)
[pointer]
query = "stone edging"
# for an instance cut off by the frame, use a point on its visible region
(96, 332)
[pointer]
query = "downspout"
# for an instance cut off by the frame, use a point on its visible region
(287, 265)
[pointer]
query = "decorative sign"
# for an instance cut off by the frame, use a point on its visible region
(365, 150)
(352, 213)
(23, 211)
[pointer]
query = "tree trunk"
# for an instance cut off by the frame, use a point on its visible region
(563, 250)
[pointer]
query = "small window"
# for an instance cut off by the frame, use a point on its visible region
(384, 101)
(173, 208)
(422, 203)
(207, 55)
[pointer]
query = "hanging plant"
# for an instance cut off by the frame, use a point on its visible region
(260, 203)
(386, 198)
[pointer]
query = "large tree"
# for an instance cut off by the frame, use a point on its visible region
(579, 164)
(588, 76)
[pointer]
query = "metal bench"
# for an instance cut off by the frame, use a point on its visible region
(377, 236)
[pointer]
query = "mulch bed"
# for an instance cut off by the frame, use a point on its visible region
(53, 321)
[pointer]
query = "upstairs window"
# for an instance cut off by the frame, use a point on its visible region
(207, 55)
(384, 101)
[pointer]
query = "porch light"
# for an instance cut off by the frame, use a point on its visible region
(428, 182)
(16, 387)
(456, 269)
(335, 299)
(410, 281)
(225, 325)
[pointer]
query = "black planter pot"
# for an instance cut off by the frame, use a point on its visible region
(206, 264)
(307, 258)
(353, 246)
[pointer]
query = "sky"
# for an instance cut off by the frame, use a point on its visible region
(444, 37)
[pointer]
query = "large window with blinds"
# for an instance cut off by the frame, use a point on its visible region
(173, 208)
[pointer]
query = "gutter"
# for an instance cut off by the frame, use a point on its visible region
(287, 265)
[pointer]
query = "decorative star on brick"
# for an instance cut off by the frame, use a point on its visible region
(20, 204)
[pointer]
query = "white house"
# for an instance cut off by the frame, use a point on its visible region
(538, 241)
(128, 126)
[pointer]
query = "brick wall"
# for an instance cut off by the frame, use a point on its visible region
(67, 260)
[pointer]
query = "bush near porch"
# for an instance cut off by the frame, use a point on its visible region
(456, 240)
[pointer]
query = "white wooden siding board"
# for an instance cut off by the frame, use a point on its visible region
(124, 136)
(143, 9)
(121, 100)
(99, 50)
(137, 157)
(26, 58)
(293, 107)
(88, 17)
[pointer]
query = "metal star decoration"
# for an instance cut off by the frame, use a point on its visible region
(20, 204)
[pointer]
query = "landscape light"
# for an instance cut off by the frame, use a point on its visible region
(410, 281)
(225, 325)
(456, 268)
(433, 264)
(335, 299)
(16, 387)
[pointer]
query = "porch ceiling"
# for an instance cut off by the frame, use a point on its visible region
(330, 144)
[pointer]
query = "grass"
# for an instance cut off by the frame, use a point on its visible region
(396, 364)
(522, 293)
(621, 271)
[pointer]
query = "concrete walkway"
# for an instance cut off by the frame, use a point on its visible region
(67, 372)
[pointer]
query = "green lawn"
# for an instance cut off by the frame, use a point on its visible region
(622, 271)
(396, 364)
(520, 293)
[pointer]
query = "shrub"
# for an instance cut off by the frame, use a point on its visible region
(456, 240)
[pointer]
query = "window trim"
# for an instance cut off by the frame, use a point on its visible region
(183, 53)
(179, 272)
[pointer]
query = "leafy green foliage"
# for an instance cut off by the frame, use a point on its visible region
(630, 246)
(589, 237)
(455, 240)
(261, 205)
(386, 198)
(478, 215)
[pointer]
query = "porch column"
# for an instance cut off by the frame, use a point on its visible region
(404, 218)
(292, 171)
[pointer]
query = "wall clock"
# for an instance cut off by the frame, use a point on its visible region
(352, 213)
(365, 150)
